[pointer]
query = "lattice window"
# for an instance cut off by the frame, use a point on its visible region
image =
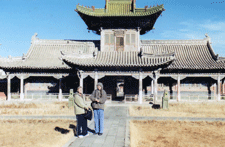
(112, 39)
(106, 38)
(109, 39)
(133, 40)
(127, 39)
(130, 39)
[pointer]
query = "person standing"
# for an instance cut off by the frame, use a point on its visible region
(98, 98)
(79, 108)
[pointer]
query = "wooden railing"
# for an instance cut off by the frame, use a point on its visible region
(109, 98)
(46, 96)
(134, 98)
(131, 98)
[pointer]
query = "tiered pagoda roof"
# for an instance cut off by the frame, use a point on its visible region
(66, 54)
(177, 54)
(120, 14)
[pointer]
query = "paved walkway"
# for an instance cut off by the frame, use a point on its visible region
(114, 130)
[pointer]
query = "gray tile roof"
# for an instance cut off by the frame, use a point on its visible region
(46, 54)
(120, 59)
(190, 54)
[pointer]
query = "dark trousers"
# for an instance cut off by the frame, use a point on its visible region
(81, 125)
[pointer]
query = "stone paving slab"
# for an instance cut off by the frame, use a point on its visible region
(114, 130)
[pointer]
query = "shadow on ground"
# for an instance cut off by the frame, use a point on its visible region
(155, 106)
(61, 130)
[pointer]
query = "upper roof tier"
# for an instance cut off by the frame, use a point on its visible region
(120, 14)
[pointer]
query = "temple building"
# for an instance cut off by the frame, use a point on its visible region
(129, 68)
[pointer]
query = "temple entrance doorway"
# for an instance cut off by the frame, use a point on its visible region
(119, 44)
(119, 86)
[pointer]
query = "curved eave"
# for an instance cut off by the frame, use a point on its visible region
(196, 68)
(139, 12)
(220, 66)
(145, 23)
(214, 56)
(33, 67)
(140, 63)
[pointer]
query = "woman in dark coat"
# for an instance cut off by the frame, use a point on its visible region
(79, 109)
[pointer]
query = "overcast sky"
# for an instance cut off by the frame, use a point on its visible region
(56, 19)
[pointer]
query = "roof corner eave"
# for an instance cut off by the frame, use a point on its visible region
(215, 56)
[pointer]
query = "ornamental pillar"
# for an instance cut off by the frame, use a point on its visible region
(96, 80)
(80, 75)
(138, 39)
(218, 88)
(22, 77)
(140, 88)
(21, 88)
(178, 88)
(9, 88)
(81, 81)
(152, 87)
(102, 41)
(60, 89)
(223, 87)
(156, 87)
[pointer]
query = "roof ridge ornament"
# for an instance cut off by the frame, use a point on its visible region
(24, 57)
(2, 74)
(141, 52)
(207, 38)
(80, 54)
(34, 38)
(172, 54)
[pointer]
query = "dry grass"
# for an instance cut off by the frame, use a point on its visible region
(177, 133)
(35, 133)
(54, 108)
(181, 110)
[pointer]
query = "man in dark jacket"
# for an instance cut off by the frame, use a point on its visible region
(98, 99)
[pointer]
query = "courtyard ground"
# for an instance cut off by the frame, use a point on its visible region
(140, 125)
(35, 133)
(177, 133)
(215, 110)
(37, 108)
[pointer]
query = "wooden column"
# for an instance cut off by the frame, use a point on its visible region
(21, 88)
(60, 89)
(155, 88)
(152, 87)
(218, 89)
(96, 80)
(178, 88)
(9, 88)
(214, 91)
(138, 40)
(81, 81)
(140, 88)
(102, 41)
(223, 87)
